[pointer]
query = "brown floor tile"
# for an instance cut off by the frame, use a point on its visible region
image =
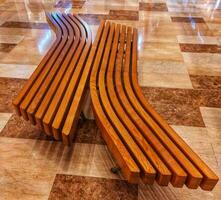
(176, 114)
(26, 25)
(200, 48)
(4, 47)
(188, 19)
(206, 82)
(88, 133)
(153, 6)
(181, 106)
(124, 14)
(9, 88)
(94, 19)
(17, 127)
(88, 188)
(68, 4)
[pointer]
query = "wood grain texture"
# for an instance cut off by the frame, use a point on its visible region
(53, 95)
(117, 95)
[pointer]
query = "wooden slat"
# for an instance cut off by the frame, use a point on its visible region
(72, 117)
(128, 166)
(179, 175)
(163, 173)
(148, 172)
(71, 89)
(57, 58)
(56, 82)
(146, 136)
(209, 177)
(56, 70)
(194, 176)
(55, 26)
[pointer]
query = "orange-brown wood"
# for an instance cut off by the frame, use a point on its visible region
(48, 72)
(163, 173)
(141, 141)
(147, 169)
(209, 177)
(64, 106)
(70, 123)
(129, 168)
(55, 72)
(194, 176)
(74, 37)
(179, 175)
(22, 94)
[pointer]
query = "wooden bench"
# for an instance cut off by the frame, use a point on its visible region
(53, 95)
(145, 147)
(143, 144)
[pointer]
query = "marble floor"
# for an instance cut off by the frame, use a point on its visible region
(179, 71)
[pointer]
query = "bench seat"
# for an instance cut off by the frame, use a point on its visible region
(143, 144)
(53, 95)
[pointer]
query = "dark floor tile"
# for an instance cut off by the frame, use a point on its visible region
(67, 187)
(153, 6)
(5, 47)
(17, 127)
(200, 48)
(95, 19)
(9, 88)
(70, 4)
(124, 14)
(206, 82)
(26, 25)
(184, 115)
(88, 132)
(188, 19)
(181, 106)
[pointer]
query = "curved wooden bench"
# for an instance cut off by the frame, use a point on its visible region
(143, 144)
(53, 95)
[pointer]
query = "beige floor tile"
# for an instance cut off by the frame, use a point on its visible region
(88, 160)
(16, 71)
(14, 39)
(203, 63)
(197, 39)
(211, 117)
(35, 163)
(4, 117)
(163, 74)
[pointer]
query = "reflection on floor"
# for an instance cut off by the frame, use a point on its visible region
(179, 70)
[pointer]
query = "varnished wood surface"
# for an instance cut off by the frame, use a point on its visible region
(144, 146)
(57, 86)
(116, 94)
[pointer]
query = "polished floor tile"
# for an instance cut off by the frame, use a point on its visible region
(179, 69)
(16, 70)
(4, 117)
(78, 187)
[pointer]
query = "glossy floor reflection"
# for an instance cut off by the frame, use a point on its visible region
(179, 70)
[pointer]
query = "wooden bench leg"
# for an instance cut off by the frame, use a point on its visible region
(115, 170)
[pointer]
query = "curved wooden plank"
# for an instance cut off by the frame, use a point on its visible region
(179, 175)
(128, 166)
(64, 67)
(148, 172)
(194, 176)
(210, 179)
(163, 173)
(56, 57)
(71, 87)
(54, 72)
(57, 29)
(72, 117)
